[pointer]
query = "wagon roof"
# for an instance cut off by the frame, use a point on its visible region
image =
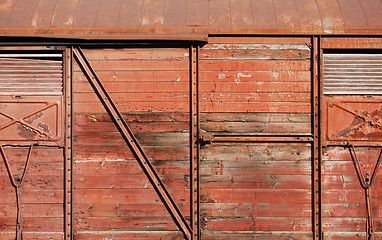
(186, 19)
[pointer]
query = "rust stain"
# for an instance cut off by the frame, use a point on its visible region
(26, 132)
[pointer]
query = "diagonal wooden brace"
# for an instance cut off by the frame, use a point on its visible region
(132, 142)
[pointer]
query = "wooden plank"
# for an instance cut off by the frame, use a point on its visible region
(122, 235)
(144, 138)
(38, 155)
(128, 181)
(134, 117)
(135, 76)
(253, 97)
(258, 40)
(39, 196)
(141, 196)
(247, 167)
(135, 87)
(249, 75)
(33, 224)
(232, 210)
(128, 167)
(255, 117)
(347, 224)
(258, 152)
(9, 235)
(34, 183)
(129, 54)
(258, 195)
(250, 87)
(257, 224)
(354, 210)
(35, 169)
(252, 127)
(257, 182)
(254, 65)
(248, 235)
(253, 107)
(34, 210)
(137, 65)
(350, 196)
(122, 210)
(252, 52)
(163, 153)
(350, 235)
(133, 97)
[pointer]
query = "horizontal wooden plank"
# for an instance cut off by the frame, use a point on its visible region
(254, 107)
(133, 97)
(255, 196)
(255, 117)
(10, 235)
(254, 51)
(143, 117)
(119, 152)
(38, 155)
(255, 127)
(33, 224)
(347, 224)
(257, 152)
(31, 196)
(118, 196)
(232, 210)
(97, 107)
(343, 154)
(249, 75)
(128, 167)
(128, 54)
(253, 65)
(248, 235)
(126, 224)
(257, 224)
(122, 235)
(256, 182)
(135, 76)
(345, 182)
(125, 210)
(136, 87)
(254, 97)
(144, 138)
(128, 181)
(350, 196)
(255, 87)
(32, 210)
(353, 235)
(137, 65)
(355, 210)
(248, 167)
(89, 126)
(259, 40)
(35, 169)
(35, 182)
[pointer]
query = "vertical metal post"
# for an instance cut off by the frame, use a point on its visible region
(68, 143)
(316, 91)
(194, 122)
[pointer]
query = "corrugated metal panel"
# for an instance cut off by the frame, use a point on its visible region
(353, 74)
(31, 74)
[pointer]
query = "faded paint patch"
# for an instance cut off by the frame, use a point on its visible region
(240, 75)
(222, 76)
(69, 21)
(26, 132)
(275, 75)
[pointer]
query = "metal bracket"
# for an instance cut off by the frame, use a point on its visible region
(132, 142)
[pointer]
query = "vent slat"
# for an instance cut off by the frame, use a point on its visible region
(355, 74)
(31, 74)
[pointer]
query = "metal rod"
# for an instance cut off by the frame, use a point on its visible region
(132, 142)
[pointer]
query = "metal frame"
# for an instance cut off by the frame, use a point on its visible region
(68, 145)
(195, 144)
(317, 148)
(133, 144)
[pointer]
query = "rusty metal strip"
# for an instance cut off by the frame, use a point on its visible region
(132, 142)
(316, 98)
(68, 144)
(366, 184)
(17, 183)
(194, 143)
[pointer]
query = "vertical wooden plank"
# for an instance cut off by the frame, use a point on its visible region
(316, 142)
(194, 97)
(68, 143)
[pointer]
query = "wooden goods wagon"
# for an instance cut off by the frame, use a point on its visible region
(180, 119)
